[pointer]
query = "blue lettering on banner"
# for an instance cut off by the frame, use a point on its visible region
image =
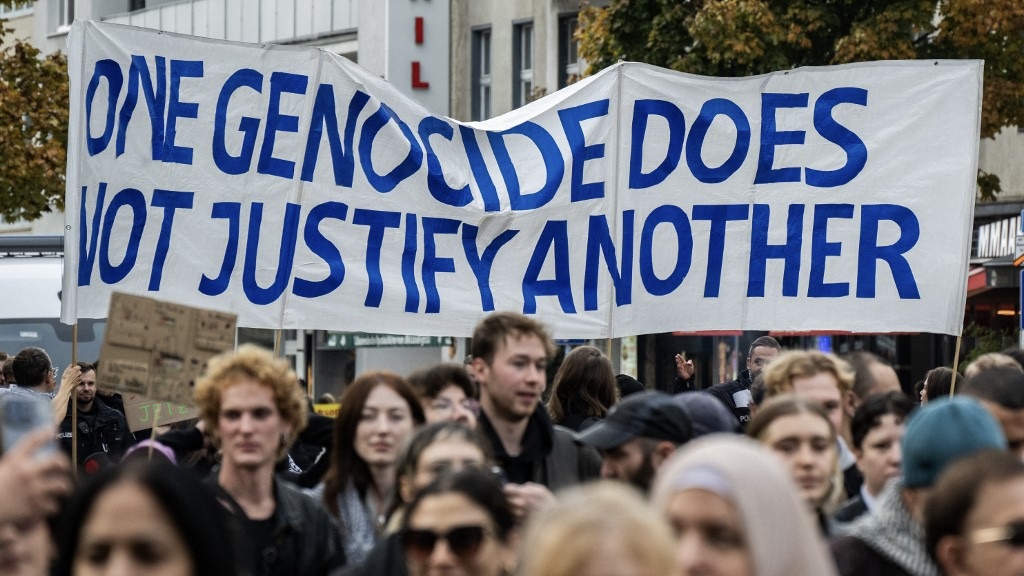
(825, 124)
(406, 168)
(869, 252)
(481, 264)
(179, 109)
(170, 201)
(554, 166)
(695, 143)
(718, 216)
(821, 249)
(377, 222)
(156, 98)
(412, 291)
(109, 70)
(771, 137)
(676, 217)
(761, 251)
(491, 175)
(436, 184)
(232, 212)
(551, 250)
(642, 111)
(432, 263)
(571, 119)
(253, 291)
(554, 238)
(280, 83)
(599, 241)
(325, 249)
(136, 203)
(249, 126)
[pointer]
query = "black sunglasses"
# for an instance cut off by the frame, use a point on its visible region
(1012, 534)
(463, 541)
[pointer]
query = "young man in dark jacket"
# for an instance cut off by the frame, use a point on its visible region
(510, 356)
(251, 402)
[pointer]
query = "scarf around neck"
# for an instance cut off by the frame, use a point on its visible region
(893, 533)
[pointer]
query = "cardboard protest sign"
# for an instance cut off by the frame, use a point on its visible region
(153, 353)
(301, 191)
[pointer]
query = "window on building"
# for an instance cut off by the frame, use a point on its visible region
(134, 5)
(570, 67)
(522, 63)
(65, 13)
(481, 100)
(17, 10)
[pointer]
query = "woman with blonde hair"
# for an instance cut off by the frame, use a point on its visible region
(799, 432)
(600, 529)
(735, 512)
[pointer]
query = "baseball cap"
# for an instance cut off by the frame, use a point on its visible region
(707, 414)
(647, 414)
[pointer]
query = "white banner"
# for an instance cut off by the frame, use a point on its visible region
(295, 189)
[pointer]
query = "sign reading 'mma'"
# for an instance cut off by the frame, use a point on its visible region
(294, 188)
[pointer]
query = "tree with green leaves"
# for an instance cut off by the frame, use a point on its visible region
(33, 128)
(745, 37)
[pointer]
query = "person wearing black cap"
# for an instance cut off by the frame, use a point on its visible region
(637, 436)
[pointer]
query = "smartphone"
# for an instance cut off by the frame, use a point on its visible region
(22, 415)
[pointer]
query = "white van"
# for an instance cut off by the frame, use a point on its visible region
(31, 270)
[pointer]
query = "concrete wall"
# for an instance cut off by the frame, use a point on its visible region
(1004, 156)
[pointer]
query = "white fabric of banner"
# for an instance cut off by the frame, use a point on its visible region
(291, 187)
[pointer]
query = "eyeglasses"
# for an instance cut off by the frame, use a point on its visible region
(446, 406)
(463, 541)
(1012, 534)
(53, 372)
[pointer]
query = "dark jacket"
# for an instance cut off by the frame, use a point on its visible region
(679, 385)
(853, 556)
(549, 456)
(851, 510)
(305, 539)
(726, 393)
(102, 433)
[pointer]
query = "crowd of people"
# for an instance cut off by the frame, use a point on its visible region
(808, 464)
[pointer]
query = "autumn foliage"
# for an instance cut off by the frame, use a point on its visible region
(33, 129)
(746, 37)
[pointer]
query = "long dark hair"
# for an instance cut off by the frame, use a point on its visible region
(585, 384)
(198, 518)
(346, 464)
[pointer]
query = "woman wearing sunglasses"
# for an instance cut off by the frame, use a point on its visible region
(974, 517)
(460, 524)
(434, 450)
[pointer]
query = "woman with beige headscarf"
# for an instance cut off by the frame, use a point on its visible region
(735, 512)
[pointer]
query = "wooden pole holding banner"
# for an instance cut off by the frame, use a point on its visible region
(74, 404)
(74, 434)
(152, 433)
(956, 362)
(277, 342)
